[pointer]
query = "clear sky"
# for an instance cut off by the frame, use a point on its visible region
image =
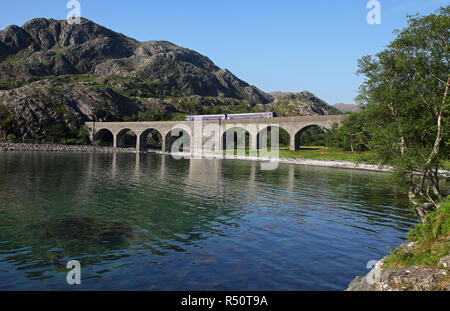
(283, 45)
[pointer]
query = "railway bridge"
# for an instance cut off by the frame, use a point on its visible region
(198, 132)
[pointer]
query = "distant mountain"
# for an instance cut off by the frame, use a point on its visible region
(302, 103)
(55, 76)
(346, 108)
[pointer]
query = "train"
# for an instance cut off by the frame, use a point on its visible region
(218, 117)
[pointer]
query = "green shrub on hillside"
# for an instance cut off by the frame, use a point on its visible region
(436, 224)
(431, 238)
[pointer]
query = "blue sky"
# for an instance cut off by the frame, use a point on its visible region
(284, 45)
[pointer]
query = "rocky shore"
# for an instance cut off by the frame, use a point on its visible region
(20, 147)
(414, 278)
(61, 148)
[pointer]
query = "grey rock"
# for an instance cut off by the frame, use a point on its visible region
(445, 262)
(8, 147)
(303, 103)
(415, 278)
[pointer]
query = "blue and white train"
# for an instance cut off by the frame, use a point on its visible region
(259, 115)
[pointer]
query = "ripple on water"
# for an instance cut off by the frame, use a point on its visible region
(150, 222)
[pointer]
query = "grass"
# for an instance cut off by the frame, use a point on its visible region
(9, 85)
(323, 153)
(431, 239)
(432, 243)
(445, 165)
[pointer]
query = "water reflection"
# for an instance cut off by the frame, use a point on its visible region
(190, 224)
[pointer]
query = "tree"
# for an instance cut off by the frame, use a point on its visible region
(5, 121)
(405, 95)
(352, 135)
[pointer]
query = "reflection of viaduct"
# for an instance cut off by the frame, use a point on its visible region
(294, 126)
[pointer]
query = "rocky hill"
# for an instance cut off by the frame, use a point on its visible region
(347, 108)
(303, 103)
(55, 76)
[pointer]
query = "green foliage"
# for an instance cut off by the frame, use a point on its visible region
(154, 140)
(353, 135)
(323, 153)
(6, 124)
(431, 238)
(436, 224)
(9, 85)
(130, 118)
(11, 138)
(55, 133)
(152, 115)
(285, 138)
(77, 79)
(56, 90)
(445, 164)
(405, 96)
(72, 135)
(313, 136)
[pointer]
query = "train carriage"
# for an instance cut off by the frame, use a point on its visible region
(261, 115)
(258, 115)
(216, 117)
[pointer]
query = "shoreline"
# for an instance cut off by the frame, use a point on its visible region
(58, 148)
(411, 278)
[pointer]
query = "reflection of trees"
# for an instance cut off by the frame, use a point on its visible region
(74, 206)
(102, 207)
(331, 192)
(359, 193)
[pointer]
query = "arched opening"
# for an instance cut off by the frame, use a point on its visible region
(126, 138)
(104, 138)
(311, 137)
(265, 138)
(178, 140)
(151, 139)
(236, 139)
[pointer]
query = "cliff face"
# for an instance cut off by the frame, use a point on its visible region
(54, 76)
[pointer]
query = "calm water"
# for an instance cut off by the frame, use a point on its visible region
(149, 222)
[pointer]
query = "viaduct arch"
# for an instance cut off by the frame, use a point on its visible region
(294, 126)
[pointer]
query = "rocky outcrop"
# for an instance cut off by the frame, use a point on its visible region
(303, 103)
(414, 278)
(45, 107)
(48, 47)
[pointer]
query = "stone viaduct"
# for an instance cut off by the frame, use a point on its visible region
(294, 126)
